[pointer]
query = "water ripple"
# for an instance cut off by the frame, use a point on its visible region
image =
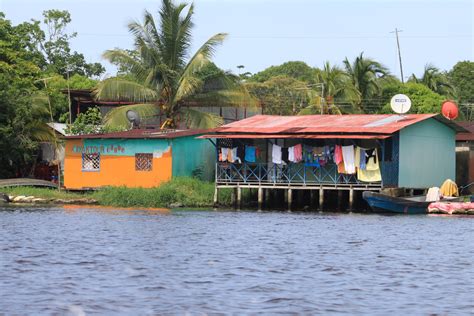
(83, 261)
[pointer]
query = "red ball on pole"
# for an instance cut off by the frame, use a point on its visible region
(449, 109)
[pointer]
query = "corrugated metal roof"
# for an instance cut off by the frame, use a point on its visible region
(354, 123)
(306, 136)
(469, 136)
(144, 133)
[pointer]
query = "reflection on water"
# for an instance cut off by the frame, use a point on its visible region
(80, 260)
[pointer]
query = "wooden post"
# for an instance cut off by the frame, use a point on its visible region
(311, 198)
(351, 198)
(260, 199)
(216, 193)
(339, 199)
(290, 199)
(239, 197)
(321, 198)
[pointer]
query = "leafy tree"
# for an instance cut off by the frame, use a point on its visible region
(21, 119)
(462, 78)
(160, 74)
(434, 79)
(89, 122)
(294, 69)
(423, 99)
(51, 48)
(280, 95)
(365, 74)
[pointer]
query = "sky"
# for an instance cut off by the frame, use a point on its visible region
(263, 33)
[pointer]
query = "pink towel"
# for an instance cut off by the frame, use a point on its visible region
(298, 152)
(338, 154)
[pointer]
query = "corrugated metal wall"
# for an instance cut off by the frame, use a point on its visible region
(427, 155)
(190, 154)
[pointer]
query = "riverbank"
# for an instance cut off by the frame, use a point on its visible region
(179, 192)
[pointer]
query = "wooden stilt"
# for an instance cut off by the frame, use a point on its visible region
(239, 197)
(351, 198)
(216, 194)
(260, 199)
(321, 199)
(290, 199)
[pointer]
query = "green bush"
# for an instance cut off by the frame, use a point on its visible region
(189, 192)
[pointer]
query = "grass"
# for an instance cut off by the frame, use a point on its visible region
(45, 193)
(189, 192)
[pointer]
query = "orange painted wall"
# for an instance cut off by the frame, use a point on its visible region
(114, 171)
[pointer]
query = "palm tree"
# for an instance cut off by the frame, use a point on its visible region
(365, 74)
(337, 84)
(161, 77)
(434, 79)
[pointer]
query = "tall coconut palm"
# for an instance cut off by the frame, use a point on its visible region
(336, 83)
(162, 75)
(365, 74)
(434, 79)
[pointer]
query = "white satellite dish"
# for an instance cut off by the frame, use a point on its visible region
(400, 103)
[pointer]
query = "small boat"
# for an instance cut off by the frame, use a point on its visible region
(401, 205)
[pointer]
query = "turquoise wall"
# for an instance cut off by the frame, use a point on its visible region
(190, 153)
(427, 154)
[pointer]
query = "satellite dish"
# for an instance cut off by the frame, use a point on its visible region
(133, 118)
(400, 103)
(449, 109)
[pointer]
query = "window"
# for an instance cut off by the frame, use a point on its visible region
(91, 162)
(143, 162)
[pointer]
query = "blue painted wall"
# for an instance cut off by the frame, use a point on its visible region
(427, 154)
(190, 153)
(390, 161)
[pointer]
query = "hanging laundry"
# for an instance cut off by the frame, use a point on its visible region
(372, 161)
(276, 154)
(250, 153)
(371, 172)
(348, 157)
(338, 154)
(298, 151)
(291, 154)
(224, 153)
(357, 157)
(234, 156)
(309, 158)
(362, 160)
(341, 168)
(369, 175)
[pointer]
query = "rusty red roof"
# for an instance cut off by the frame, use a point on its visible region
(469, 136)
(144, 133)
(307, 136)
(314, 124)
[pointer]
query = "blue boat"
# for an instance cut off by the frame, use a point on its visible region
(401, 205)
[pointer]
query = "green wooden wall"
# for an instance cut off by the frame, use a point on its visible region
(427, 155)
(190, 153)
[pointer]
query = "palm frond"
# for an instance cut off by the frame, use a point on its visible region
(124, 90)
(117, 118)
(197, 119)
(187, 84)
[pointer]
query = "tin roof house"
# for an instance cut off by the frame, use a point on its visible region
(135, 158)
(352, 152)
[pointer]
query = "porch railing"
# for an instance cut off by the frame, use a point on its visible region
(264, 174)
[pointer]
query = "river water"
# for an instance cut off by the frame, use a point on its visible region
(80, 261)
